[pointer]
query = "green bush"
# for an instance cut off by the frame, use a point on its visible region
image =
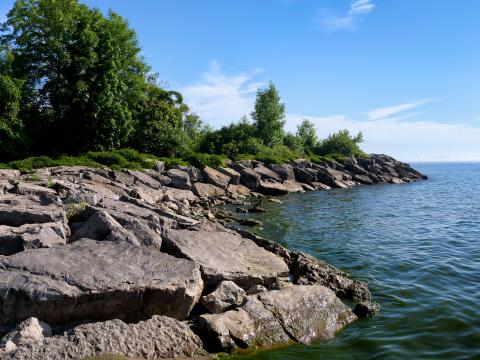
(202, 160)
(341, 143)
(169, 162)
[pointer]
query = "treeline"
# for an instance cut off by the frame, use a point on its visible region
(72, 81)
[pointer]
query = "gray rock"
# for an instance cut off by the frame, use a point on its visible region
(305, 175)
(207, 190)
(157, 338)
(225, 296)
(285, 171)
(27, 332)
(365, 309)
(305, 270)
(237, 191)
(144, 179)
(225, 256)
(95, 281)
(250, 178)
(90, 199)
(295, 314)
(164, 180)
(256, 289)
(216, 178)
(293, 186)
(267, 174)
(9, 174)
(16, 210)
(31, 236)
(180, 179)
(272, 188)
(160, 166)
(234, 175)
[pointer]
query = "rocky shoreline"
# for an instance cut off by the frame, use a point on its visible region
(144, 264)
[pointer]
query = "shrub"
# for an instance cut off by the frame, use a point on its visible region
(202, 160)
(341, 143)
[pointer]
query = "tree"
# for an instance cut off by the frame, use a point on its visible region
(12, 134)
(82, 74)
(269, 116)
(307, 135)
(342, 143)
(161, 125)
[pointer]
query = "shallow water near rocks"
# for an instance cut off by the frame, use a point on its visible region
(416, 245)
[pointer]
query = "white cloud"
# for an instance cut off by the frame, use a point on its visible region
(220, 98)
(381, 113)
(358, 9)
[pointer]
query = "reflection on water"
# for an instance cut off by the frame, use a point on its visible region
(417, 246)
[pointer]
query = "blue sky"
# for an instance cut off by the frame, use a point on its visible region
(405, 72)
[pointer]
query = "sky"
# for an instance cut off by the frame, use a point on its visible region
(404, 72)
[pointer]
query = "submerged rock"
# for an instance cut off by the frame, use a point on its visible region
(157, 338)
(91, 280)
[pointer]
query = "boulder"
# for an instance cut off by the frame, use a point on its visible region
(9, 174)
(142, 178)
(285, 171)
(207, 190)
(96, 281)
(363, 179)
(307, 270)
(225, 296)
(305, 175)
(160, 337)
(365, 309)
(180, 179)
(164, 180)
(292, 186)
(267, 174)
(16, 210)
(31, 236)
(295, 314)
(35, 190)
(250, 178)
(170, 194)
(272, 188)
(159, 166)
(101, 226)
(234, 175)
(238, 190)
(215, 177)
(225, 256)
(29, 331)
(195, 174)
(256, 289)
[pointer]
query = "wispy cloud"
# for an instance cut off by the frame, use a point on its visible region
(382, 113)
(220, 98)
(358, 9)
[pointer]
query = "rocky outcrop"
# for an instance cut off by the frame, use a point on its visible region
(96, 281)
(295, 314)
(225, 256)
(160, 337)
(79, 245)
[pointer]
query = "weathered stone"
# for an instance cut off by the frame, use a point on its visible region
(170, 194)
(306, 270)
(195, 174)
(363, 179)
(238, 190)
(249, 222)
(77, 198)
(285, 171)
(225, 256)
(250, 178)
(234, 175)
(35, 190)
(365, 309)
(27, 332)
(295, 314)
(160, 166)
(31, 236)
(9, 174)
(207, 190)
(215, 177)
(225, 296)
(305, 175)
(272, 188)
(293, 186)
(256, 289)
(91, 280)
(267, 174)
(180, 179)
(18, 210)
(144, 179)
(160, 337)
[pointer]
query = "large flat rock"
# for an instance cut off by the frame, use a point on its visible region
(95, 281)
(295, 314)
(157, 338)
(226, 256)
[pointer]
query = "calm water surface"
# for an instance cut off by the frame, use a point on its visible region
(417, 246)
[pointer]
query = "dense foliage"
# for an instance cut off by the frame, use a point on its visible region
(72, 81)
